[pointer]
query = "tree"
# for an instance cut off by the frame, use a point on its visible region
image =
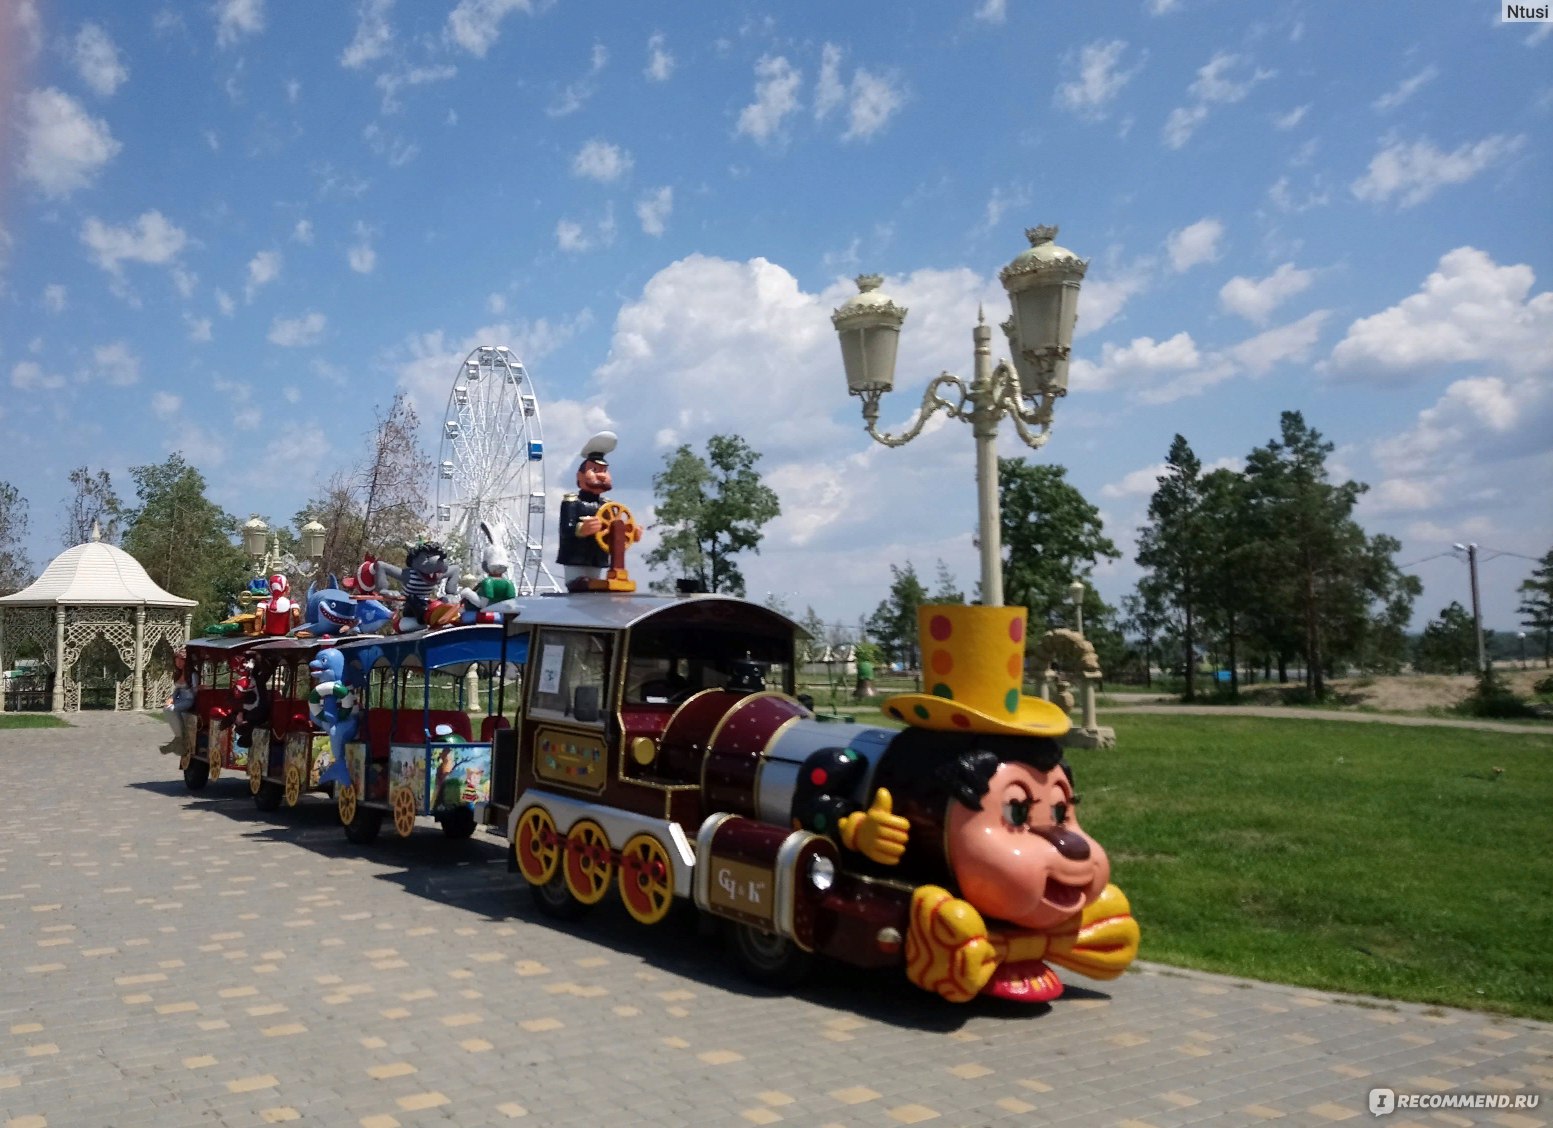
(1536, 607)
(391, 481)
(183, 540)
(1051, 537)
(94, 503)
(893, 624)
(947, 589)
(709, 510)
(1449, 643)
(15, 567)
(1145, 617)
(1171, 548)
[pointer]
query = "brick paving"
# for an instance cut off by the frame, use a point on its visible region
(173, 959)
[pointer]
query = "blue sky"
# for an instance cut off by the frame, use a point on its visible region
(233, 228)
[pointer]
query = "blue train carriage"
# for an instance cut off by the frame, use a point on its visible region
(289, 750)
(419, 742)
(215, 669)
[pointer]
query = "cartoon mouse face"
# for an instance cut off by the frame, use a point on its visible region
(1021, 857)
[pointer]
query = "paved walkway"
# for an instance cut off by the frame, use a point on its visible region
(173, 960)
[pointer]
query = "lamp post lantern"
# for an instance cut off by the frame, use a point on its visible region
(1042, 284)
(263, 547)
(1076, 596)
(1522, 637)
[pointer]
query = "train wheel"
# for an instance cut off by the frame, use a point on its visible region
(269, 796)
(196, 773)
(293, 784)
(364, 825)
(768, 958)
(255, 771)
(537, 846)
(646, 879)
(555, 899)
(345, 800)
(589, 865)
(403, 802)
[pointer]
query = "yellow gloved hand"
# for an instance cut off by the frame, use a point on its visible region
(1101, 941)
(947, 950)
(877, 833)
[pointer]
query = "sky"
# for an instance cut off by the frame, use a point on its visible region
(235, 229)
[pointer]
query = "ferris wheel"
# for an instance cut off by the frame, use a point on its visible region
(490, 467)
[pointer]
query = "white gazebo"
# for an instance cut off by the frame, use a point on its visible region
(97, 597)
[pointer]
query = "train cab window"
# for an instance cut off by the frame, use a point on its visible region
(572, 676)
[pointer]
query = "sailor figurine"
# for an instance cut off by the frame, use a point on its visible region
(580, 552)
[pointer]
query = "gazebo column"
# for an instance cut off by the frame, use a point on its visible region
(2, 660)
(137, 691)
(57, 705)
(188, 625)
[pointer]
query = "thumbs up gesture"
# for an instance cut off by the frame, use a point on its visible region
(877, 833)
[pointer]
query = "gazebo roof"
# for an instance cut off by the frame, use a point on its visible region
(94, 574)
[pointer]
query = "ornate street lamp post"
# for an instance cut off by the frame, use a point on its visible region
(1042, 284)
(263, 548)
(1076, 597)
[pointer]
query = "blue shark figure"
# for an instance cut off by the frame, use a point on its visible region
(334, 611)
(332, 704)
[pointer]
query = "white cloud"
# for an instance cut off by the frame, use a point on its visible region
(1221, 81)
(117, 364)
(303, 232)
(1408, 87)
(165, 405)
(392, 147)
(225, 303)
(236, 19)
(63, 147)
(29, 27)
(654, 210)
(475, 25)
(992, 11)
(574, 238)
(495, 302)
(829, 90)
(54, 298)
(361, 256)
(1470, 309)
(1292, 342)
(199, 328)
(575, 95)
(1132, 364)
(1145, 480)
(263, 269)
(1255, 299)
(389, 83)
(373, 34)
(1292, 118)
(298, 332)
(874, 101)
(152, 239)
(660, 64)
(1195, 244)
(601, 161)
(1100, 80)
(1417, 171)
(776, 96)
(29, 376)
(98, 61)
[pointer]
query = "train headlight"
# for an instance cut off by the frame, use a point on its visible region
(822, 872)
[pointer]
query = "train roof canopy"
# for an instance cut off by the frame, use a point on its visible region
(613, 611)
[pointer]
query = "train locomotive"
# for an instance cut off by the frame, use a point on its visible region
(660, 752)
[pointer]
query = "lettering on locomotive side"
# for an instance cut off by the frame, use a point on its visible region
(741, 887)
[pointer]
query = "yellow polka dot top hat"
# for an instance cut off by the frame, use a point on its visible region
(973, 661)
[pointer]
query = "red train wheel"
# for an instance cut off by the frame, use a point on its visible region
(646, 879)
(589, 863)
(538, 846)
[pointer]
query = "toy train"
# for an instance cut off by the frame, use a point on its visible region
(654, 747)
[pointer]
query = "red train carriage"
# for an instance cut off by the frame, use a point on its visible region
(214, 667)
(287, 753)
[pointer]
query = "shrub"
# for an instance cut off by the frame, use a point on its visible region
(1493, 698)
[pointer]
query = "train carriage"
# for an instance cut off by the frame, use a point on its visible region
(428, 704)
(214, 667)
(288, 754)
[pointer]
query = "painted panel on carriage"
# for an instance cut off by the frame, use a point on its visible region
(407, 768)
(462, 775)
(570, 758)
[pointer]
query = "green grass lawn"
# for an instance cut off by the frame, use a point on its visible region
(1378, 859)
(30, 721)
